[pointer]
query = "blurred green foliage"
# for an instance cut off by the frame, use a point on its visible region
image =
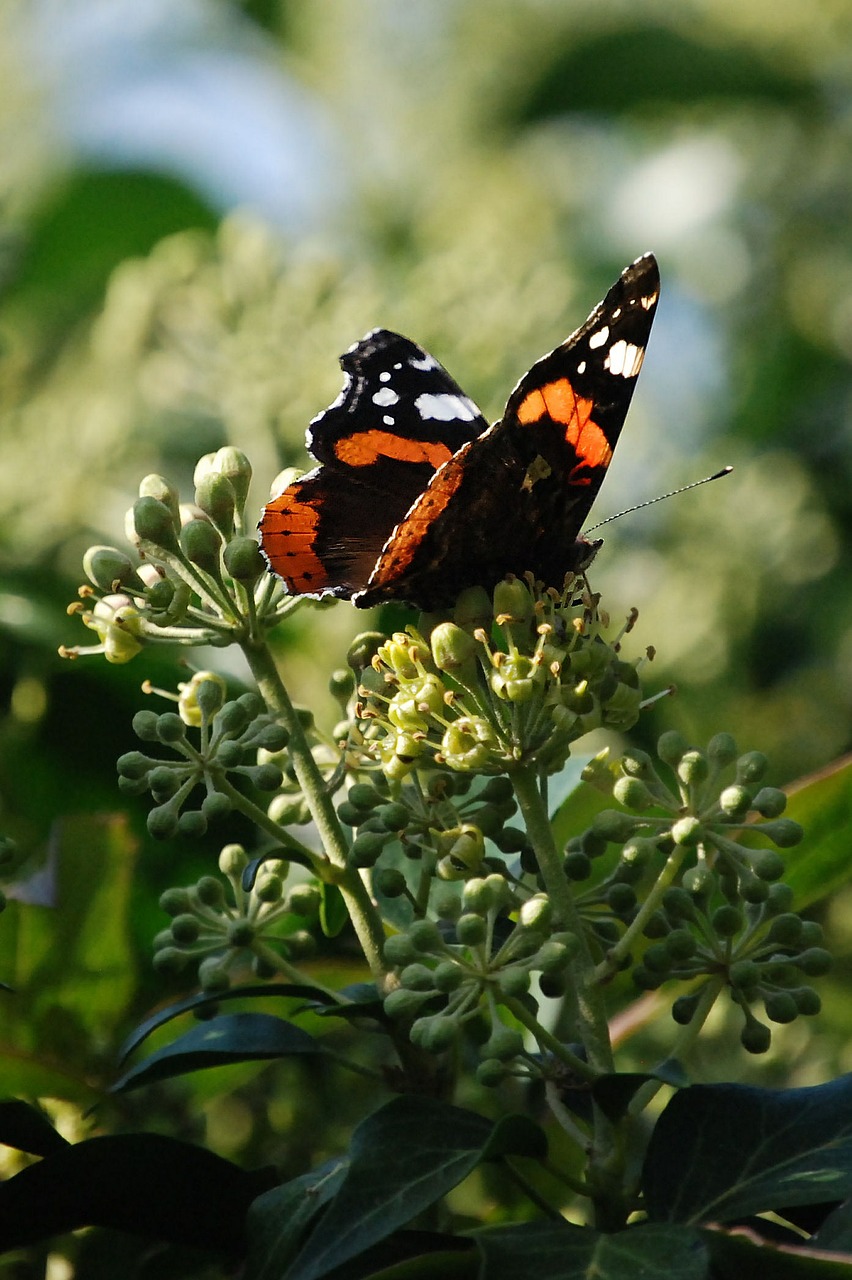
(501, 161)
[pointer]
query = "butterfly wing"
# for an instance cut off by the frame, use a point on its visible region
(515, 498)
(399, 417)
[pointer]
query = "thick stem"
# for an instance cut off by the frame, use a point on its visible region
(365, 919)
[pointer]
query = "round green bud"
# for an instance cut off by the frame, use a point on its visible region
(266, 777)
(163, 781)
(417, 977)
(448, 976)
(633, 794)
(783, 831)
(510, 839)
(753, 890)
(446, 904)
(684, 1007)
(536, 913)
(726, 921)
(201, 543)
(490, 1073)
(192, 824)
(213, 976)
(214, 494)
(395, 816)
(613, 826)
(175, 901)
(637, 764)
(366, 848)
(389, 883)
(364, 796)
(687, 831)
(403, 1003)
(229, 754)
(568, 940)
(780, 1007)
(156, 486)
(681, 944)
(577, 866)
(268, 887)
(363, 649)
(152, 521)
(786, 930)
(779, 899)
(692, 768)
(144, 725)
(434, 1033)
(814, 962)
(766, 864)
(755, 1037)
(553, 985)
(671, 746)
(473, 609)
(210, 891)
(497, 791)
(621, 898)
(243, 560)
(133, 764)
(744, 974)
(770, 802)
(107, 566)
(169, 961)
(170, 727)
(678, 904)
(398, 950)
(807, 1001)
(514, 980)
(235, 466)
(216, 806)
(657, 958)
(511, 600)
(162, 822)
(552, 957)
(503, 1043)
(645, 980)
(424, 935)
(263, 968)
(656, 926)
(751, 767)
(304, 900)
(722, 750)
(453, 650)
(233, 719)
(812, 934)
(233, 860)
(351, 815)
(471, 930)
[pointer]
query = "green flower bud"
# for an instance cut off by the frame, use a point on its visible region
(214, 494)
(503, 1043)
(614, 826)
(394, 816)
(692, 768)
(780, 1007)
(577, 866)
(235, 466)
(677, 904)
(434, 1033)
(812, 931)
(366, 848)
(168, 961)
(671, 746)
(230, 754)
(490, 1073)
(514, 980)
(552, 958)
(133, 764)
(469, 744)
(363, 649)
(684, 1008)
(398, 950)
(726, 922)
(744, 974)
(156, 486)
(213, 976)
(192, 824)
(755, 1037)
(807, 1001)
(815, 962)
(424, 935)
(633, 794)
(699, 881)
(144, 725)
(268, 887)
(175, 901)
(233, 860)
(170, 728)
(240, 933)
(153, 522)
(210, 891)
(770, 802)
(108, 568)
(681, 944)
(473, 609)
(657, 958)
(201, 697)
(417, 977)
(687, 831)
(448, 977)
(243, 560)
(536, 913)
(162, 822)
(767, 864)
(722, 750)
(454, 651)
(471, 929)
(735, 801)
(783, 831)
(202, 543)
(512, 601)
(405, 1004)
(751, 767)
(621, 899)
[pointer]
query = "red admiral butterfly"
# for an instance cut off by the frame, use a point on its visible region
(417, 497)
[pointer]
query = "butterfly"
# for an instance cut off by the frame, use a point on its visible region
(416, 497)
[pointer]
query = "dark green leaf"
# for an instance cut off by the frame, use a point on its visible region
(822, 804)
(560, 1251)
(721, 1152)
(404, 1157)
(835, 1231)
(27, 1129)
(333, 913)
(278, 1219)
(235, 1037)
(741, 1254)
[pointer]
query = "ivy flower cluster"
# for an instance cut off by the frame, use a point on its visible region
(221, 930)
(514, 680)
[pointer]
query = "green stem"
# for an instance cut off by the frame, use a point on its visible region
(623, 947)
(262, 820)
(365, 918)
(545, 1038)
(592, 1026)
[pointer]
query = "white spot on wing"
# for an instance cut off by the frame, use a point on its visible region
(599, 338)
(385, 397)
(387, 420)
(649, 302)
(446, 407)
(581, 367)
(384, 376)
(425, 363)
(624, 359)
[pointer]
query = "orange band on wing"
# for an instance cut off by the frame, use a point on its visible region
(559, 402)
(364, 448)
(287, 535)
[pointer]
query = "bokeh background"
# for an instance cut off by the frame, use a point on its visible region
(204, 202)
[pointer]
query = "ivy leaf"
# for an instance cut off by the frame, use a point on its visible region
(722, 1152)
(560, 1251)
(27, 1129)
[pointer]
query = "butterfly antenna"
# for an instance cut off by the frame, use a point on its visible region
(726, 471)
